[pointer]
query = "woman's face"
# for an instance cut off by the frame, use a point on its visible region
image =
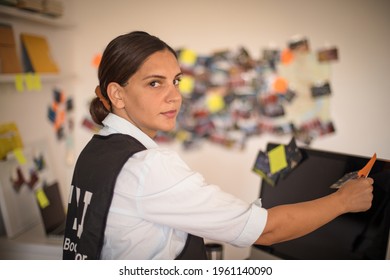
(152, 99)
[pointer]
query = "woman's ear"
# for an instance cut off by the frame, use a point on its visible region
(115, 92)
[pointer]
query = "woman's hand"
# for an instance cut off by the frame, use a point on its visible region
(356, 195)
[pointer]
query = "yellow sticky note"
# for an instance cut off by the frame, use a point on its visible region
(215, 102)
(29, 78)
(277, 159)
(186, 85)
(43, 201)
(9, 138)
(19, 82)
(19, 156)
(183, 135)
(188, 57)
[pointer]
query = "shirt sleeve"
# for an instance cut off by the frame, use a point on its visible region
(171, 194)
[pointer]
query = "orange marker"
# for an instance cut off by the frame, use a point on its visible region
(367, 168)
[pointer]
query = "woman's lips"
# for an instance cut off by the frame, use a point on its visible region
(170, 114)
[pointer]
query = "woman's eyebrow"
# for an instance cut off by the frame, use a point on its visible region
(156, 76)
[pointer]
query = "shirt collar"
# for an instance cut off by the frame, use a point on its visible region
(115, 124)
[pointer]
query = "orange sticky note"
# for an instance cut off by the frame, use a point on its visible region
(280, 85)
(287, 56)
(54, 106)
(60, 119)
(96, 60)
(62, 97)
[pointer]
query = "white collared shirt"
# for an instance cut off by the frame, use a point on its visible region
(158, 199)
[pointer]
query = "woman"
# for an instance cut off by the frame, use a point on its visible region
(131, 199)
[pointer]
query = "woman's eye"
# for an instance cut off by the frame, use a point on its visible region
(154, 84)
(176, 82)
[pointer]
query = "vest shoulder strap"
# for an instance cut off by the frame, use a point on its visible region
(92, 189)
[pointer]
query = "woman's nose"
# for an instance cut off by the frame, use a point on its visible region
(174, 94)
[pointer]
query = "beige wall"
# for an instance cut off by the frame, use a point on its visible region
(361, 89)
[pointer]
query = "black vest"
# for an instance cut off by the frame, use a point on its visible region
(93, 183)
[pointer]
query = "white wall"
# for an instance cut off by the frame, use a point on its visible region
(360, 83)
(358, 27)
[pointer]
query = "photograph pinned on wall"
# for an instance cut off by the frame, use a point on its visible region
(293, 156)
(299, 43)
(320, 89)
(289, 95)
(90, 125)
(223, 139)
(328, 54)
(271, 105)
(271, 57)
(278, 162)
(262, 168)
(314, 128)
(59, 114)
(244, 59)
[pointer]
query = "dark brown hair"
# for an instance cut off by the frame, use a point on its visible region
(122, 57)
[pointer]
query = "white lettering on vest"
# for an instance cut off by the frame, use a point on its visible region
(70, 246)
(87, 201)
